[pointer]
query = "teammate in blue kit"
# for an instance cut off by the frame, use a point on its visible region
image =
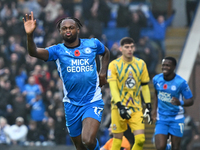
(76, 65)
(168, 109)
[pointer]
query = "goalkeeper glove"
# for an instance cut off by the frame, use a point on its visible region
(123, 111)
(147, 113)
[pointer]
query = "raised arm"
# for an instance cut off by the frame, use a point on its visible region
(29, 26)
(104, 66)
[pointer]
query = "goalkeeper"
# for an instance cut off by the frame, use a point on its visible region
(126, 75)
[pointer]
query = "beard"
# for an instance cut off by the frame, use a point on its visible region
(70, 39)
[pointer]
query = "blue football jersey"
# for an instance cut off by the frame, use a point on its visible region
(177, 87)
(77, 68)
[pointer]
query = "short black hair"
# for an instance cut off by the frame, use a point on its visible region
(126, 40)
(172, 59)
(78, 23)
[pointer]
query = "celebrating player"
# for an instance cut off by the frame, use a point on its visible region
(168, 110)
(126, 75)
(75, 60)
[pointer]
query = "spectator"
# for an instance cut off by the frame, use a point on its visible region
(17, 133)
(14, 65)
(21, 78)
(114, 51)
(159, 30)
(39, 36)
(146, 50)
(138, 21)
(48, 132)
(60, 126)
(3, 127)
(31, 89)
(68, 6)
(33, 136)
(95, 26)
(98, 7)
(8, 12)
(5, 89)
(37, 109)
(191, 6)
(31, 62)
(34, 6)
(42, 76)
(18, 106)
(52, 8)
(2, 35)
(123, 14)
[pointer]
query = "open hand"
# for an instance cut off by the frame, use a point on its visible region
(29, 23)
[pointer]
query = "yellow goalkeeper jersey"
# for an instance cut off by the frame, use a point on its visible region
(129, 77)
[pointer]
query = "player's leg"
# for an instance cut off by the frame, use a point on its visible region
(139, 140)
(89, 133)
(161, 134)
(117, 141)
(118, 126)
(176, 131)
(73, 116)
(136, 124)
(90, 124)
(160, 141)
(176, 142)
(78, 143)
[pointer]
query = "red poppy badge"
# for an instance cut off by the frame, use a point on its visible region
(77, 53)
(165, 86)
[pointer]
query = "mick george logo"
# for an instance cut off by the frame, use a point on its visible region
(80, 65)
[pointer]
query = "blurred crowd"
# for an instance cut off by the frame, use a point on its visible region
(31, 108)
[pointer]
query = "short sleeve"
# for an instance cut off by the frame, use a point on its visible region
(111, 75)
(100, 46)
(185, 90)
(52, 53)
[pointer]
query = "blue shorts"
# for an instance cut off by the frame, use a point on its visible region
(74, 115)
(170, 127)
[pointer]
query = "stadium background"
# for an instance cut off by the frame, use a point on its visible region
(13, 40)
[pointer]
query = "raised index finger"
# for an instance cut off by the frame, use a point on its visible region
(32, 17)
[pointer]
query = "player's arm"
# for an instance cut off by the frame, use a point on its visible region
(185, 103)
(104, 66)
(147, 99)
(124, 112)
(188, 102)
(30, 25)
(187, 94)
(155, 106)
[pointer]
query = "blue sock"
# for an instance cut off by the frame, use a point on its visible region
(168, 147)
(97, 146)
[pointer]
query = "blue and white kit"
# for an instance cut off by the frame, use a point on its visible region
(169, 115)
(77, 68)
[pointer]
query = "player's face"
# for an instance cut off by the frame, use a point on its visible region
(69, 30)
(127, 51)
(167, 67)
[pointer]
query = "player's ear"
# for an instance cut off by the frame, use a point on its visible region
(78, 30)
(120, 48)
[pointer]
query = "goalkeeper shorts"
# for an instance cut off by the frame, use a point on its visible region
(120, 125)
